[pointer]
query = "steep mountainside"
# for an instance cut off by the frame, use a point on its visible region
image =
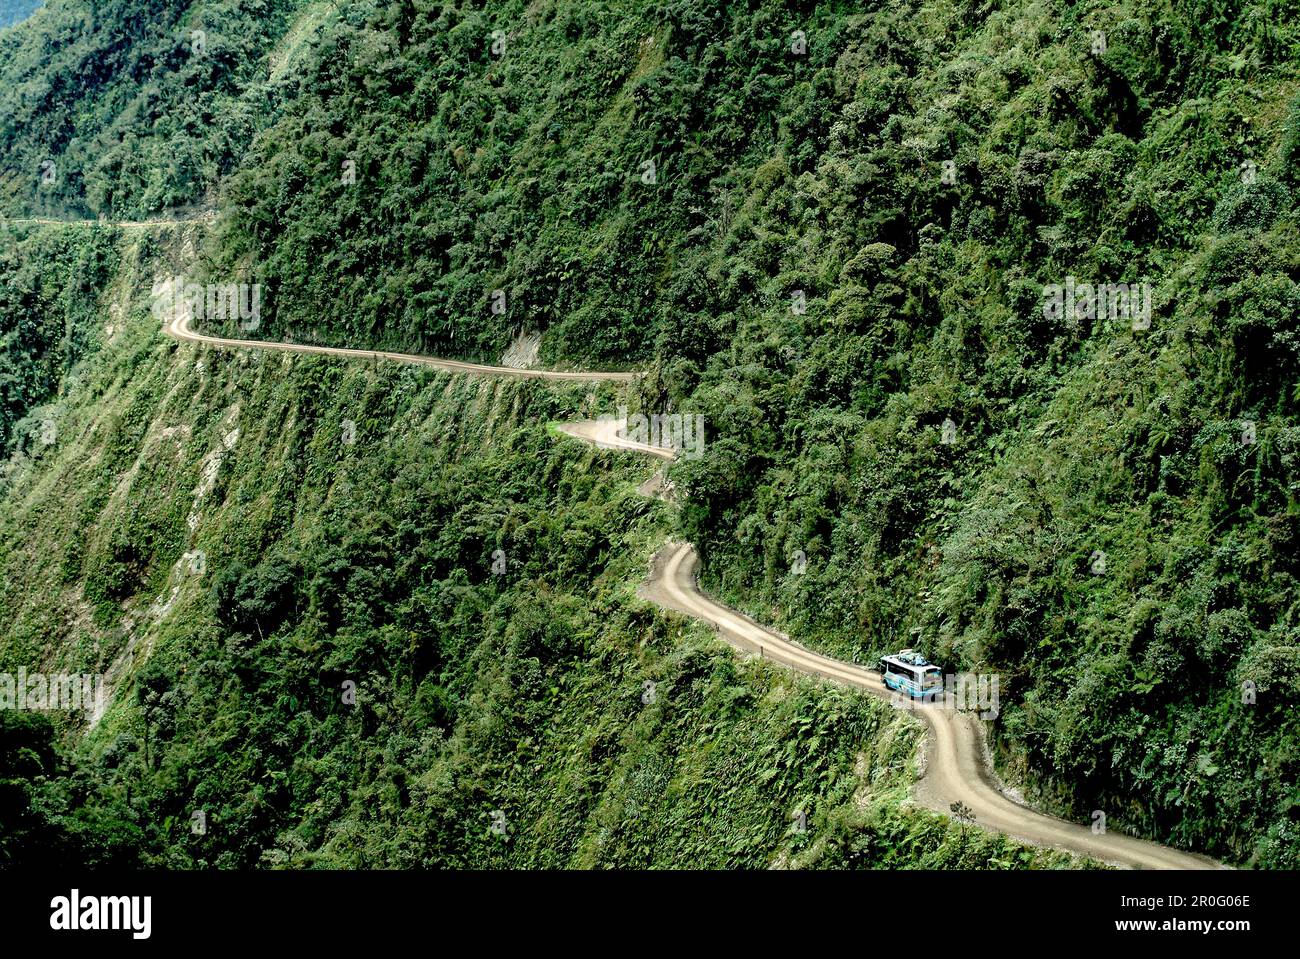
(862, 241)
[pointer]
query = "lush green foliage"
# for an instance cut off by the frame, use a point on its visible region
(51, 285)
(1124, 690)
(331, 568)
(126, 107)
(49, 817)
(776, 173)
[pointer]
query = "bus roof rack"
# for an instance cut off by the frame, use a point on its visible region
(911, 657)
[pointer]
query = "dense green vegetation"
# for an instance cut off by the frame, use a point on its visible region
(51, 285)
(1124, 689)
(915, 177)
(127, 107)
(343, 680)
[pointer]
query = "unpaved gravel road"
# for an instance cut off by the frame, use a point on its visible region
(178, 328)
(205, 217)
(956, 769)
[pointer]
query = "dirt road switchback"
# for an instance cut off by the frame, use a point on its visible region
(956, 770)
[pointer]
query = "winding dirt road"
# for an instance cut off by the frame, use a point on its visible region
(956, 768)
(179, 328)
(204, 217)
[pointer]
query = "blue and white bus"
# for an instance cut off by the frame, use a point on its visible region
(908, 672)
